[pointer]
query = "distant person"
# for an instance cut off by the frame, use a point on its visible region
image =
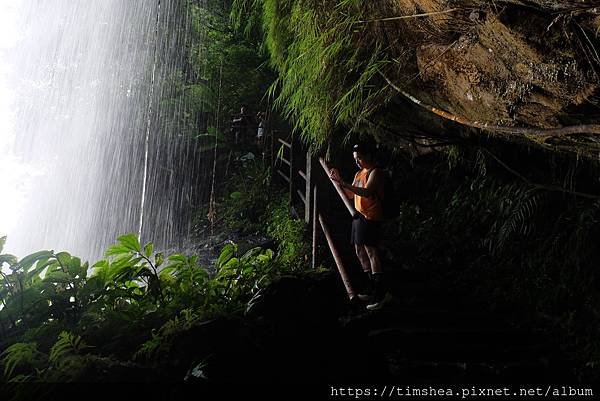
(240, 125)
(367, 190)
(261, 118)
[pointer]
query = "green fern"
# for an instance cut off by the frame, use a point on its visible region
(325, 78)
(21, 355)
(67, 345)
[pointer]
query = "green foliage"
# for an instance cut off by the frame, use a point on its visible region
(228, 68)
(238, 279)
(132, 304)
(241, 277)
(326, 77)
(161, 340)
(21, 356)
(245, 204)
(67, 345)
(293, 250)
(515, 245)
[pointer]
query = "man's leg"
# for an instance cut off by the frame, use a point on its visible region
(374, 261)
(380, 294)
(363, 258)
(366, 285)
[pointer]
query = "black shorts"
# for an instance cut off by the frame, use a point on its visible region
(365, 232)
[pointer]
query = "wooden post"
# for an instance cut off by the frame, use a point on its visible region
(315, 231)
(308, 197)
(337, 258)
(272, 132)
(292, 161)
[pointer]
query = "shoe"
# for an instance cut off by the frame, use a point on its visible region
(355, 301)
(365, 297)
(379, 304)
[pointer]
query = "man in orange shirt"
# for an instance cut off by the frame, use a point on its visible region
(367, 191)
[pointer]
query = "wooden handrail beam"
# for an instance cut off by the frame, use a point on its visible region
(289, 145)
(337, 258)
(339, 189)
(285, 177)
(301, 195)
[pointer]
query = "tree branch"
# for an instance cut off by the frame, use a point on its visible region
(554, 132)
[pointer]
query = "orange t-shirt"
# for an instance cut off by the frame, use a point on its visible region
(370, 207)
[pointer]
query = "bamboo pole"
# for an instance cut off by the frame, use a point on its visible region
(308, 181)
(338, 188)
(337, 258)
(315, 232)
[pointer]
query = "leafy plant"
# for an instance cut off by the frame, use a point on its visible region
(67, 345)
(128, 266)
(326, 77)
(290, 234)
(23, 356)
(245, 205)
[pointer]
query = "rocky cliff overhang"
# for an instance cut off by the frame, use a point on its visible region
(527, 71)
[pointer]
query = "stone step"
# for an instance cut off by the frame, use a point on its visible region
(397, 314)
(436, 372)
(458, 344)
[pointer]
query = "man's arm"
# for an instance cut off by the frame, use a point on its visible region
(373, 183)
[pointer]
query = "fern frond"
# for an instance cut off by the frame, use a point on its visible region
(67, 345)
(20, 355)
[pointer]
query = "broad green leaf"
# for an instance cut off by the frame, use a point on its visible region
(252, 253)
(236, 195)
(167, 271)
(231, 264)
(100, 264)
(53, 266)
(128, 270)
(263, 258)
(29, 260)
(130, 241)
(84, 270)
(120, 263)
(132, 284)
(116, 249)
(226, 254)
(40, 266)
(177, 257)
(2, 242)
(9, 259)
(159, 259)
(74, 266)
(58, 277)
(148, 249)
(94, 285)
(64, 258)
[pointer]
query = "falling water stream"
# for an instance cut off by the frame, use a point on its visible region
(87, 152)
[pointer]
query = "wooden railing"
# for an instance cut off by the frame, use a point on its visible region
(294, 165)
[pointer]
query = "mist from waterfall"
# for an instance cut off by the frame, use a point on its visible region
(82, 85)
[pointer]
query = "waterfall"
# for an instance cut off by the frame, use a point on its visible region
(85, 141)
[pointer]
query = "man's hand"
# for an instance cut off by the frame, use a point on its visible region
(335, 175)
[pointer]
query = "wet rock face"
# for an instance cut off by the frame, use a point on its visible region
(515, 64)
(505, 75)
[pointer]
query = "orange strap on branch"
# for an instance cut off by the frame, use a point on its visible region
(574, 129)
